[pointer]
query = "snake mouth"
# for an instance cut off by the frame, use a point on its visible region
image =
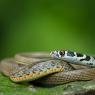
(57, 54)
(54, 54)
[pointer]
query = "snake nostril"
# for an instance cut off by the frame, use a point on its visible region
(52, 52)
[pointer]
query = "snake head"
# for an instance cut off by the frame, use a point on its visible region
(57, 54)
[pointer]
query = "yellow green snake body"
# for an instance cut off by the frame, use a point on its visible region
(49, 69)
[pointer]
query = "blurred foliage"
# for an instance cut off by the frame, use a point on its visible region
(46, 25)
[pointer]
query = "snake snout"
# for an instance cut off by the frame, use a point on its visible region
(55, 54)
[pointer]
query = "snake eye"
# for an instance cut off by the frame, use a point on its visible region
(62, 53)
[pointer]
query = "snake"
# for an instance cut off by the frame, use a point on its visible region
(49, 68)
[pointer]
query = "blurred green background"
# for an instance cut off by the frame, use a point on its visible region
(46, 25)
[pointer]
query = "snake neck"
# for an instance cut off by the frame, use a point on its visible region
(74, 57)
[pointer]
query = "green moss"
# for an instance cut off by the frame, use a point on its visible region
(7, 87)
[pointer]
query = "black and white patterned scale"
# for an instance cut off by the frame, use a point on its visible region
(74, 57)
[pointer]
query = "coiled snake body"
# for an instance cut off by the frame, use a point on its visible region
(48, 68)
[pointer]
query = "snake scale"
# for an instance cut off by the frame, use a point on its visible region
(49, 68)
